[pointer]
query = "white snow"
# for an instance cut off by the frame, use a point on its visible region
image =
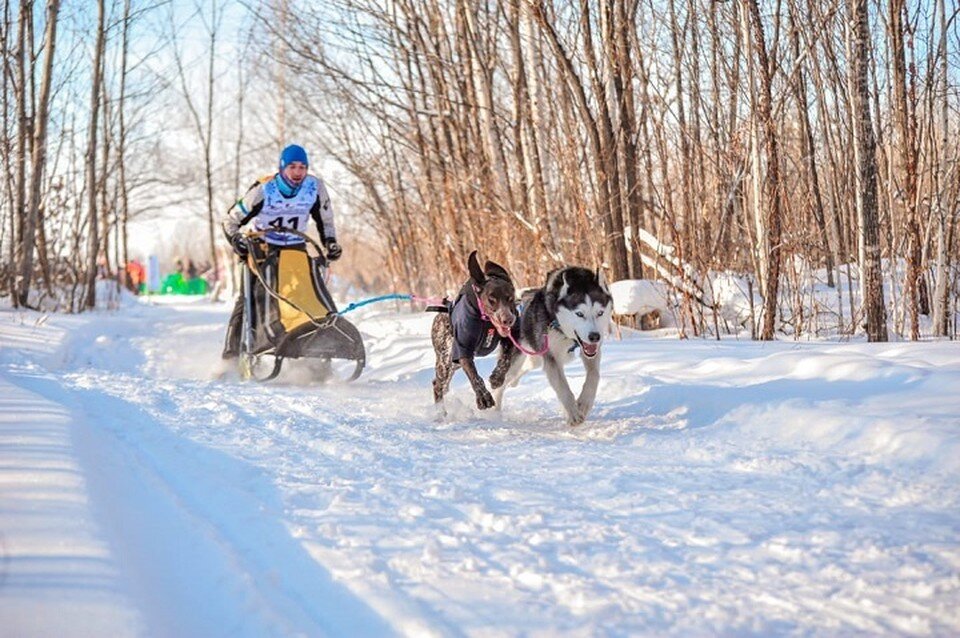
(639, 296)
(732, 487)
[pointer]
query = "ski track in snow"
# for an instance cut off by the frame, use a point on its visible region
(717, 488)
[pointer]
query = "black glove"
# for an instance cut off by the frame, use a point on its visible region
(333, 250)
(239, 244)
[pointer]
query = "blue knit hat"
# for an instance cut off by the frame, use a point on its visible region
(293, 153)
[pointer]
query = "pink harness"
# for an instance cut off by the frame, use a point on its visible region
(498, 325)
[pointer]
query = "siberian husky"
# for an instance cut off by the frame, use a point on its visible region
(570, 314)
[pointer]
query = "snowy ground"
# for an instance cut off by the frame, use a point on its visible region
(730, 488)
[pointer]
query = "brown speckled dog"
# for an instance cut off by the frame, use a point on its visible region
(479, 320)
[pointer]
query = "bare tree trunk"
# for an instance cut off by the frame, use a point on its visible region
(208, 138)
(38, 161)
(759, 240)
(941, 301)
(822, 63)
(539, 135)
(24, 53)
(622, 73)
(700, 222)
(122, 142)
(482, 76)
(810, 150)
(528, 136)
(231, 270)
(907, 125)
(93, 239)
(8, 178)
(607, 169)
(871, 280)
(106, 224)
(678, 42)
(649, 213)
(772, 257)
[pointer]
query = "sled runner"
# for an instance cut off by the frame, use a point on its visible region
(288, 313)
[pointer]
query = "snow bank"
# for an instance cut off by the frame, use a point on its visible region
(639, 296)
(732, 295)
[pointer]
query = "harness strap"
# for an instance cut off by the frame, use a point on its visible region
(483, 311)
(513, 340)
(546, 346)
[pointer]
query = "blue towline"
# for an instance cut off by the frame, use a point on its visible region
(364, 302)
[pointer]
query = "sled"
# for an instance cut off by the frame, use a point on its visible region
(288, 313)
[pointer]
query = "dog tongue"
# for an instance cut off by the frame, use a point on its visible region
(590, 349)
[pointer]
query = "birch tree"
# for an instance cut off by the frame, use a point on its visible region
(871, 277)
(39, 156)
(93, 235)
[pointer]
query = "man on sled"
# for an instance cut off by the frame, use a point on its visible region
(284, 200)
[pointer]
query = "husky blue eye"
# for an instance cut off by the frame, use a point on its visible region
(600, 313)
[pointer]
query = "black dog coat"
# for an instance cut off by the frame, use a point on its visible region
(473, 336)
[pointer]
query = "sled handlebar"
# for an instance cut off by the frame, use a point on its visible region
(259, 237)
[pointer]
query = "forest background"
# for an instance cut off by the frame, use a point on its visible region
(798, 146)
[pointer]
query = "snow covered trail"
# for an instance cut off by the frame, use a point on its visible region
(185, 523)
(732, 488)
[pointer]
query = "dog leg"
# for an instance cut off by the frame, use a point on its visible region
(508, 354)
(515, 369)
(441, 384)
(589, 391)
(558, 380)
(442, 336)
(506, 358)
(484, 398)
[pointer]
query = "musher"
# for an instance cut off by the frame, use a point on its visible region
(286, 199)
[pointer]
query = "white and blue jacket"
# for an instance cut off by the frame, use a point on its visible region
(270, 210)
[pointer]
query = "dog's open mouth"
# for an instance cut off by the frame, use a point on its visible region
(502, 329)
(590, 350)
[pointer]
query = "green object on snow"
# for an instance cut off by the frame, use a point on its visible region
(175, 284)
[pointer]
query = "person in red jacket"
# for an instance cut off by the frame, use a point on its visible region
(136, 275)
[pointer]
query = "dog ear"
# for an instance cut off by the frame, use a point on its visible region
(602, 280)
(556, 280)
(493, 269)
(473, 266)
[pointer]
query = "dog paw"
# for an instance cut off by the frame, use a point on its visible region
(484, 399)
(575, 419)
(496, 380)
(583, 409)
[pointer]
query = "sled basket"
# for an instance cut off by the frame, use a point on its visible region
(291, 313)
